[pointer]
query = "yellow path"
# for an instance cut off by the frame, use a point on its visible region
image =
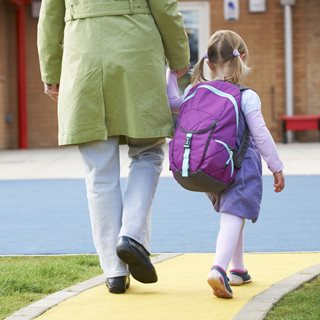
(182, 291)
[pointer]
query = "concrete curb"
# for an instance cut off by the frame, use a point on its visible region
(258, 307)
(39, 307)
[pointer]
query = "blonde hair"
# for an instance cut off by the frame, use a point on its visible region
(223, 46)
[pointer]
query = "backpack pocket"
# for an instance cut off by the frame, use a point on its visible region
(188, 148)
(218, 161)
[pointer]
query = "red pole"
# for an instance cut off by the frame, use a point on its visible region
(22, 81)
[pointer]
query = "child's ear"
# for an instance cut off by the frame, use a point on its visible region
(210, 65)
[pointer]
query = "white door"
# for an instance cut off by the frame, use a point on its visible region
(196, 15)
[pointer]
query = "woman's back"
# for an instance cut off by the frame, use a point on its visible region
(112, 77)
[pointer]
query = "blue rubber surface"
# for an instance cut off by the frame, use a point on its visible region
(51, 217)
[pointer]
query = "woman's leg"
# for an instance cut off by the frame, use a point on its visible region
(146, 165)
(228, 238)
(102, 170)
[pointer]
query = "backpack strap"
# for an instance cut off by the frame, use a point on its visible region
(239, 155)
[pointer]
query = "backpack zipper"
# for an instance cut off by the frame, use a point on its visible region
(230, 159)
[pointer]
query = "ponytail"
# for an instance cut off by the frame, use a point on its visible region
(240, 69)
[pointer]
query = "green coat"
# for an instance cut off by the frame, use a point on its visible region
(109, 57)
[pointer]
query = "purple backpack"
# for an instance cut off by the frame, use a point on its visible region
(203, 153)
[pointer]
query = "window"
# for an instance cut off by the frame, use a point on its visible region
(196, 15)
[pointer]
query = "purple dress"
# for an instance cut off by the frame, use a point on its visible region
(243, 197)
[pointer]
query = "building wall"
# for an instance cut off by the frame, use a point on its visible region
(12, 102)
(263, 33)
(42, 115)
(42, 112)
(3, 74)
(311, 98)
(306, 46)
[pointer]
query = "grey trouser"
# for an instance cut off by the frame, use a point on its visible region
(113, 215)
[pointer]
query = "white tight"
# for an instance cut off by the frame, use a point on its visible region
(111, 214)
(229, 246)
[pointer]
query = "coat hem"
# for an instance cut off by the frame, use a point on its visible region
(82, 138)
(103, 135)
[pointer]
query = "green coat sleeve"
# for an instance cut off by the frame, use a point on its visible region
(50, 39)
(170, 24)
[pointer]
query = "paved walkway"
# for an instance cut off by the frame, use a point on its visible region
(65, 162)
(182, 292)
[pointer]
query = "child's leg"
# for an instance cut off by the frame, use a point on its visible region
(238, 274)
(228, 238)
(237, 258)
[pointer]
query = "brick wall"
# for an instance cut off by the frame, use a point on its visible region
(263, 33)
(3, 74)
(12, 102)
(42, 119)
(311, 97)
(42, 112)
(306, 46)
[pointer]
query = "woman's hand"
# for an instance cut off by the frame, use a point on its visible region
(278, 181)
(52, 91)
(181, 73)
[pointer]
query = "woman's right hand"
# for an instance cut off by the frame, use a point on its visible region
(278, 181)
(180, 73)
(52, 91)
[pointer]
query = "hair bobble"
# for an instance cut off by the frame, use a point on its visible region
(205, 56)
(236, 53)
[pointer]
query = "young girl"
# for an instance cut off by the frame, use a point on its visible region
(227, 57)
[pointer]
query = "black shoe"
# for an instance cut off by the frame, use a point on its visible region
(137, 258)
(118, 284)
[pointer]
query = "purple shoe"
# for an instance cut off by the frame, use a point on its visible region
(239, 277)
(219, 282)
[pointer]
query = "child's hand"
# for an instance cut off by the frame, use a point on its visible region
(278, 181)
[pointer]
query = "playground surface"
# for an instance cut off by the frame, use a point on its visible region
(43, 201)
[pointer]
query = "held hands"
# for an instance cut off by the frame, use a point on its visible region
(52, 91)
(181, 73)
(278, 181)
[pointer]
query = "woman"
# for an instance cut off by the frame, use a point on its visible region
(106, 62)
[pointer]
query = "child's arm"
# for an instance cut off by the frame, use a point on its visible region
(175, 100)
(266, 146)
(264, 140)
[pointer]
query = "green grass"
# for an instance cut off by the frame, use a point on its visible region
(24, 280)
(301, 304)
